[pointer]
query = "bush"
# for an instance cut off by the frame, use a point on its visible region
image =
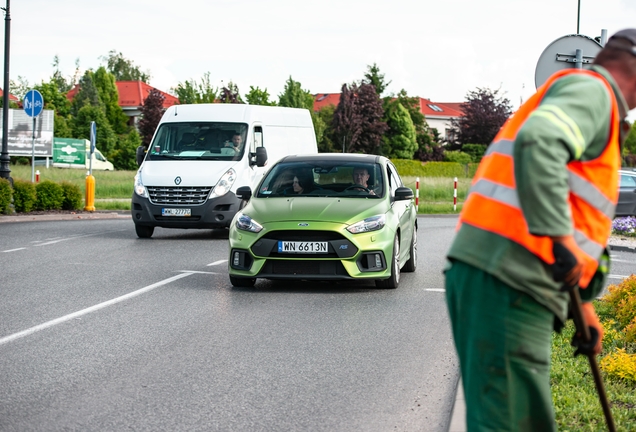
(24, 196)
(444, 169)
(72, 196)
(5, 196)
(458, 156)
(476, 151)
(50, 196)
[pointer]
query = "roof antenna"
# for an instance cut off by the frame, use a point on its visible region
(175, 110)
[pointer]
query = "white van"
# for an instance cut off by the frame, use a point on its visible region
(200, 154)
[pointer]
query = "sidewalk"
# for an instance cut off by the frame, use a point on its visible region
(65, 215)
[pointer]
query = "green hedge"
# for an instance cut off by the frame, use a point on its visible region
(415, 168)
(5, 196)
(72, 196)
(24, 196)
(50, 195)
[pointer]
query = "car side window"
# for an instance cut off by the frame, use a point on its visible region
(394, 179)
(628, 181)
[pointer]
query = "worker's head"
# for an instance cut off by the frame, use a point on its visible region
(618, 56)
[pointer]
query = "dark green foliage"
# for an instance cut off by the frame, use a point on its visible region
(72, 196)
(151, 112)
(476, 151)
(109, 96)
(86, 95)
(458, 156)
(50, 195)
(399, 141)
(192, 92)
(106, 138)
(20, 160)
(256, 96)
(484, 114)
(324, 138)
(376, 79)
(124, 69)
(5, 195)
(629, 148)
(24, 196)
(123, 157)
(294, 96)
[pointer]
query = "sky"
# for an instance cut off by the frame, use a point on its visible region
(439, 50)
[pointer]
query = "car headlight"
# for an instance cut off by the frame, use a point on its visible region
(140, 189)
(225, 184)
(372, 223)
(246, 223)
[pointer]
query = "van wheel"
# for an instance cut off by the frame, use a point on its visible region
(411, 264)
(144, 231)
(242, 282)
(394, 280)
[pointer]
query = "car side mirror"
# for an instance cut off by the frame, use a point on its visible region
(244, 193)
(141, 153)
(403, 193)
(261, 156)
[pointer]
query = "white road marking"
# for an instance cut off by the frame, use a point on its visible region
(217, 262)
(199, 272)
(13, 250)
(617, 277)
(623, 261)
(436, 289)
(94, 308)
(74, 237)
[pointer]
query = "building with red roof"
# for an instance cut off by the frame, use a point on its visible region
(131, 98)
(438, 114)
(11, 97)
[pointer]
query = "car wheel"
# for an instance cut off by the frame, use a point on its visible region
(393, 281)
(144, 231)
(242, 282)
(411, 264)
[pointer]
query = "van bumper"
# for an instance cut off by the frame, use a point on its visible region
(213, 213)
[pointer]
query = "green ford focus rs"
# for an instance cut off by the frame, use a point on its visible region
(325, 217)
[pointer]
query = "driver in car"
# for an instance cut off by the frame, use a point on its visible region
(361, 178)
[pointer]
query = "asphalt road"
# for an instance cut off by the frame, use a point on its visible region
(100, 330)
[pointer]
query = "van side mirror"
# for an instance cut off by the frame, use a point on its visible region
(261, 156)
(141, 153)
(403, 193)
(244, 193)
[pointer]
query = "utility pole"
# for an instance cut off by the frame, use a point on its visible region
(5, 171)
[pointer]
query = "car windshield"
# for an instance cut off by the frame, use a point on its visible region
(198, 140)
(323, 179)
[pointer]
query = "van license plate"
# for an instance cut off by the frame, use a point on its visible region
(176, 212)
(302, 247)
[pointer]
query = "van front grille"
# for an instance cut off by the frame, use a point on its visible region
(178, 195)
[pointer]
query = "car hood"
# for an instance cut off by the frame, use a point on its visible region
(323, 209)
(190, 173)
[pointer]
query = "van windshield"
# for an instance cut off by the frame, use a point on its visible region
(198, 140)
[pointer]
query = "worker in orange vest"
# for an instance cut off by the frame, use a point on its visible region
(550, 176)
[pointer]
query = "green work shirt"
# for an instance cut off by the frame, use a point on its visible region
(572, 122)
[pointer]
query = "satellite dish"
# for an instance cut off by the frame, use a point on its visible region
(562, 54)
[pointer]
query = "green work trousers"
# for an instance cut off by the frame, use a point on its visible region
(503, 340)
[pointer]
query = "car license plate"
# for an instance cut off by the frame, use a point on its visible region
(184, 212)
(302, 247)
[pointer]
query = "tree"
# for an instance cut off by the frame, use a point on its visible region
(81, 124)
(357, 120)
(124, 69)
(64, 84)
(86, 95)
(230, 94)
(109, 96)
(400, 140)
(151, 112)
(256, 96)
(57, 101)
(295, 97)
(124, 154)
(484, 114)
(20, 87)
(324, 131)
(375, 78)
(191, 92)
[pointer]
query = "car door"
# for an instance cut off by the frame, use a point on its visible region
(626, 196)
(404, 211)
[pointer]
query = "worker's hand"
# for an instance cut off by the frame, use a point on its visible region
(574, 262)
(595, 345)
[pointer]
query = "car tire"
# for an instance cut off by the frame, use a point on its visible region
(144, 231)
(242, 282)
(394, 280)
(411, 264)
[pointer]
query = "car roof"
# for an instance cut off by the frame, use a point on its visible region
(334, 157)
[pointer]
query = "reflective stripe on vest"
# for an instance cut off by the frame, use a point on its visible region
(493, 201)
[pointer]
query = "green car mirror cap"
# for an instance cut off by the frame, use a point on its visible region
(372, 223)
(246, 223)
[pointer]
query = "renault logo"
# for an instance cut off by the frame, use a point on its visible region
(177, 181)
(303, 224)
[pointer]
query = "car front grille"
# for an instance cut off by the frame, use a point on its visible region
(327, 269)
(166, 195)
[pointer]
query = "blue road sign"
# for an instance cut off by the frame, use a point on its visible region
(33, 103)
(93, 136)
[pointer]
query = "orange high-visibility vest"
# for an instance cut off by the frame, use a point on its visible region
(493, 202)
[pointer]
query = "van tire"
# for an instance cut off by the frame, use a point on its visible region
(242, 282)
(144, 231)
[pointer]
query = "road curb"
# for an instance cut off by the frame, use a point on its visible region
(66, 216)
(622, 248)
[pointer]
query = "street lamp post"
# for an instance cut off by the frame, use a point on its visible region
(5, 171)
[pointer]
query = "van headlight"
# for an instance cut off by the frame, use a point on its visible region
(225, 184)
(372, 223)
(140, 189)
(246, 223)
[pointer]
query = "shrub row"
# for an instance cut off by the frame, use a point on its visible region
(46, 195)
(415, 168)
